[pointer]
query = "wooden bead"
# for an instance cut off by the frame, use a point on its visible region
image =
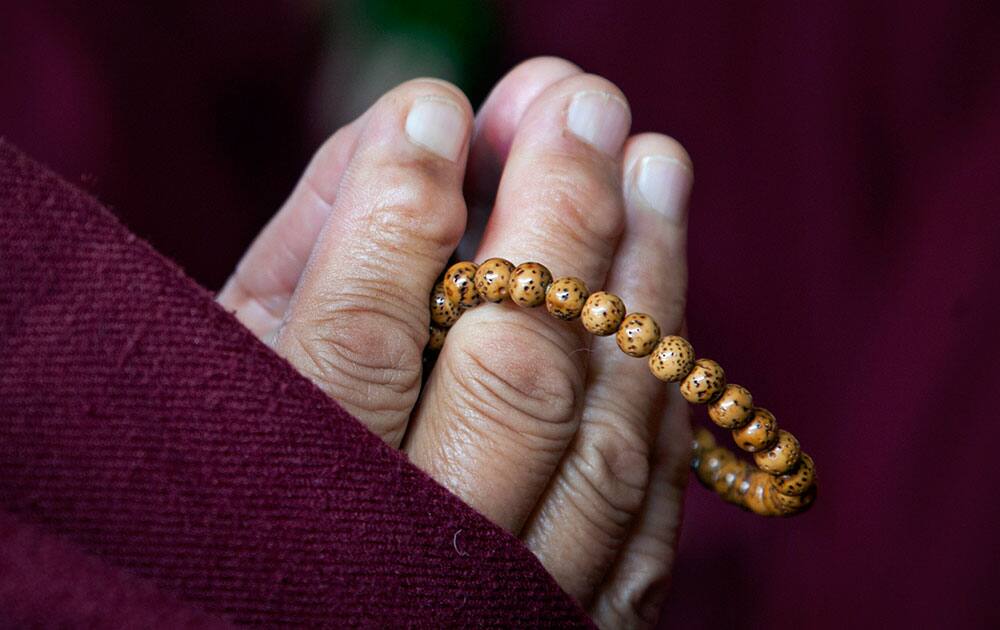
(707, 465)
(796, 481)
(436, 339)
(638, 334)
(672, 359)
(793, 504)
(733, 407)
(781, 457)
(759, 434)
(493, 278)
(444, 312)
(703, 440)
(704, 382)
(741, 484)
(602, 313)
(729, 473)
(565, 298)
(460, 284)
(761, 497)
(528, 284)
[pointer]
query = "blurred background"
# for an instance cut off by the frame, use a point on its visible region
(844, 242)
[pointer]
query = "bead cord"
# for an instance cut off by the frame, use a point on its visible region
(782, 483)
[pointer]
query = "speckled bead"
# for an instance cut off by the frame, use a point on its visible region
(798, 479)
(704, 382)
(444, 312)
(528, 284)
(793, 504)
(638, 334)
(732, 408)
(602, 313)
(460, 284)
(759, 434)
(565, 298)
(741, 484)
(725, 481)
(781, 457)
(703, 440)
(708, 464)
(436, 339)
(672, 359)
(761, 497)
(493, 279)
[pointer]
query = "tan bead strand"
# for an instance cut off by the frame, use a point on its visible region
(736, 481)
(782, 483)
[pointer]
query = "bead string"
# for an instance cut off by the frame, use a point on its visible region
(782, 483)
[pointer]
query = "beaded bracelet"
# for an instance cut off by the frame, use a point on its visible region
(784, 480)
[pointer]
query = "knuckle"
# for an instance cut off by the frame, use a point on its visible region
(590, 207)
(409, 210)
(585, 210)
(513, 377)
(411, 217)
(615, 464)
(362, 353)
(546, 65)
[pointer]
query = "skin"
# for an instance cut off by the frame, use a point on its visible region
(581, 454)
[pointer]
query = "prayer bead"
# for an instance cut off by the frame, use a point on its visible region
(795, 503)
(733, 407)
(781, 457)
(759, 434)
(703, 440)
(602, 313)
(672, 359)
(761, 496)
(727, 476)
(797, 480)
(565, 298)
(444, 312)
(460, 284)
(710, 462)
(436, 340)
(638, 334)
(703, 382)
(528, 284)
(493, 279)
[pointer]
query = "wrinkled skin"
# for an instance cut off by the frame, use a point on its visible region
(553, 434)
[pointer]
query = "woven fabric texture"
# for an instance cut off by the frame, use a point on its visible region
(150, 443)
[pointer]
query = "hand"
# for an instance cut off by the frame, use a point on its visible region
(554, 435)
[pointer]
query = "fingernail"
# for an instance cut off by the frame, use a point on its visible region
(599, 119)
(664, 184)
(437, 125)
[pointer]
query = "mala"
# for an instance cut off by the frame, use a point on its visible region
(782, 483)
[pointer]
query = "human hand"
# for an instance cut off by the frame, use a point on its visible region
(552, 434)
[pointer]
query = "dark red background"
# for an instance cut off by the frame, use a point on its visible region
(844, 241)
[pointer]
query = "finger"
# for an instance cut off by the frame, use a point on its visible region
(496, 124)
(262, 284)
(358, 320)
(503, 400)
(636, 587)
(601, 482)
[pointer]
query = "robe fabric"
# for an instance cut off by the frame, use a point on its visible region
(159, 466)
